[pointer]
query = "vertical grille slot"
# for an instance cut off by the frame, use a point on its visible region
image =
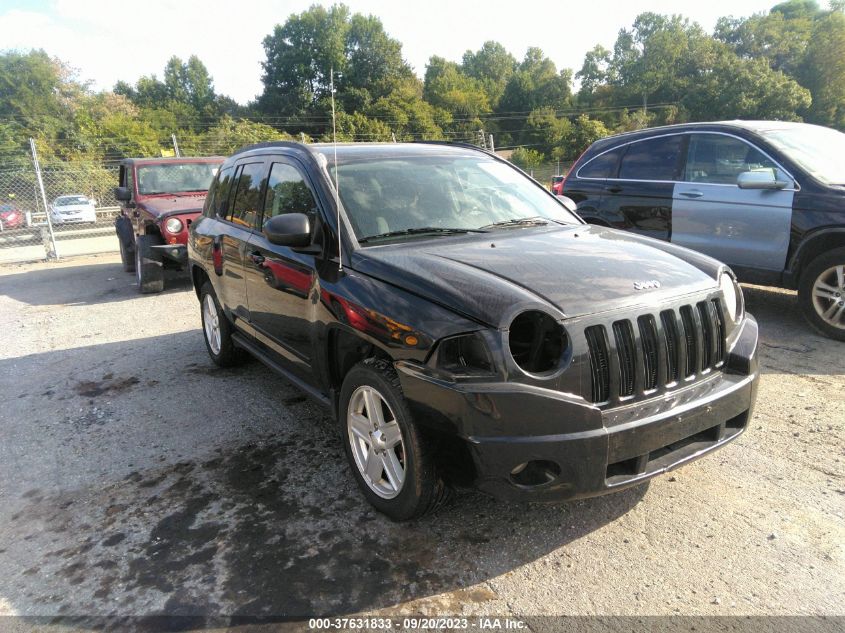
(648, 338)
(623, 334)
(689, 340)
(599, 363)
(670, 331)
(707, 335)
(720, 329)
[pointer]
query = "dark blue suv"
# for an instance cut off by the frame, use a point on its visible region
(765, 197)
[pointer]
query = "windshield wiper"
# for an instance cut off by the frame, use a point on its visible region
(534, 221)
(420, 230)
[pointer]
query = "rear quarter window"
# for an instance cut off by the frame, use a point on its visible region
(602, 166)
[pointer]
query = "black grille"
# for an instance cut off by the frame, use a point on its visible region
(648, 337)
(624, 337)
(689, 340)
(670, 334)
(657, 352)
(599, 363)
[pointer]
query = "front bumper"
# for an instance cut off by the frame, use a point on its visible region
(575, 449)
(175, 252)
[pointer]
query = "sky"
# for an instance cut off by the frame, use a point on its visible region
(110, 40)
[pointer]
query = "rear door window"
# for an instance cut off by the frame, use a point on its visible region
(246, 205)
(719, 159)
(652, 159)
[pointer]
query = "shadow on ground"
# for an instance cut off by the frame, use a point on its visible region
(80, 285)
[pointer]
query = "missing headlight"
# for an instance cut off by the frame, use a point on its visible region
(537, 342)
(464, 355)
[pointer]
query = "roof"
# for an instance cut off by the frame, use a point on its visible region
(172, 159)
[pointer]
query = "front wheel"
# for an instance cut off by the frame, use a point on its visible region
(390, 459)
(821, 294)
(149, 267)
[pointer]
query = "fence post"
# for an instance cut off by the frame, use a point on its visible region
(55, 252)
(175, 146)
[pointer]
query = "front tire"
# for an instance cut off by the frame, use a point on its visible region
(149, 267)
(821, 294)
(217, 330)
(389, 457)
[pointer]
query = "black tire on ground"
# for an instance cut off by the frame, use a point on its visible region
(824, 309)
(126, 240)
(220, 346)
(423, 489)
(149, 268)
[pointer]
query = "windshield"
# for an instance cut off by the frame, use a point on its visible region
(175, 178)
(69, 200)
(441, 193)
(819, 150)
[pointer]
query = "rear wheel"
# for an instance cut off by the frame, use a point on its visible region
(149, 267)
(822, 294)
(217, 330)
(390, 459)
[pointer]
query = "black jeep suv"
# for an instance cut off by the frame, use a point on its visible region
(465, 326)
(766, 197)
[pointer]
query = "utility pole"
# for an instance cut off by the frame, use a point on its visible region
(492, 147)
(175, 146)
(302, 137)
(43, 197)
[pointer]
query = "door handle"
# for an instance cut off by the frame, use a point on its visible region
(692, 194)
(257, 258)
(614, 188)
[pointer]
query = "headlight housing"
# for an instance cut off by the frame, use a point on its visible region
(464, 355)
(173, 225)
(731, 296)
(537, 342)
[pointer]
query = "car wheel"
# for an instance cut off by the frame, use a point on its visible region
(149, 267)
(390, 459)
(217, 330)
(127, 258)
(821, 294)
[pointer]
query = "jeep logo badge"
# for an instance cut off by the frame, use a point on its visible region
(651, 284)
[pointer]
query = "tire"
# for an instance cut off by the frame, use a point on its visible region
(409, 485)
(821, 294)
(149, 267)
(217, 330)
(127, 257)
(126, 240)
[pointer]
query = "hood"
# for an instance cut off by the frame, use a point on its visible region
(73, 208)
(573, 271)
(173, 204)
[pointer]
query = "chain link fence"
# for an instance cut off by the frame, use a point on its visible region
(80, 204)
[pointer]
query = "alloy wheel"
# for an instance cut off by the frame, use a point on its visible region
(376, 441)
(829, 296)
(211, 324)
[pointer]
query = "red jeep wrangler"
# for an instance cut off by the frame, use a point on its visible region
(159, 198)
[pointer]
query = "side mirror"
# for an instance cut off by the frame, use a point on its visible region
(288, 229)
(764, 179)
(123, 194)
(568, 203)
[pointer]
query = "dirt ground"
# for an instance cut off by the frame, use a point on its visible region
(136, 478)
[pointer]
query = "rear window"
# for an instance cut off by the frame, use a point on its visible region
(652, 159)
(602, 166)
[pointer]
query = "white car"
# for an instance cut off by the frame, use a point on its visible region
(72, 209)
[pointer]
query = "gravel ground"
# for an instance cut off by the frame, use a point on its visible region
(136, 478)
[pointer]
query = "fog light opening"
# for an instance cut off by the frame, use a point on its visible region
(538, 472)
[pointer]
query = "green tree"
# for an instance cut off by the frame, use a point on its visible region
(527, 158)
(491, 65)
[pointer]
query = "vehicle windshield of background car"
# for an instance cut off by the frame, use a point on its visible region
(184, 178)
(67, 201)
(819, 150)
(410, 193)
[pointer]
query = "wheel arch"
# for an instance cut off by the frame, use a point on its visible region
(812, 246)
